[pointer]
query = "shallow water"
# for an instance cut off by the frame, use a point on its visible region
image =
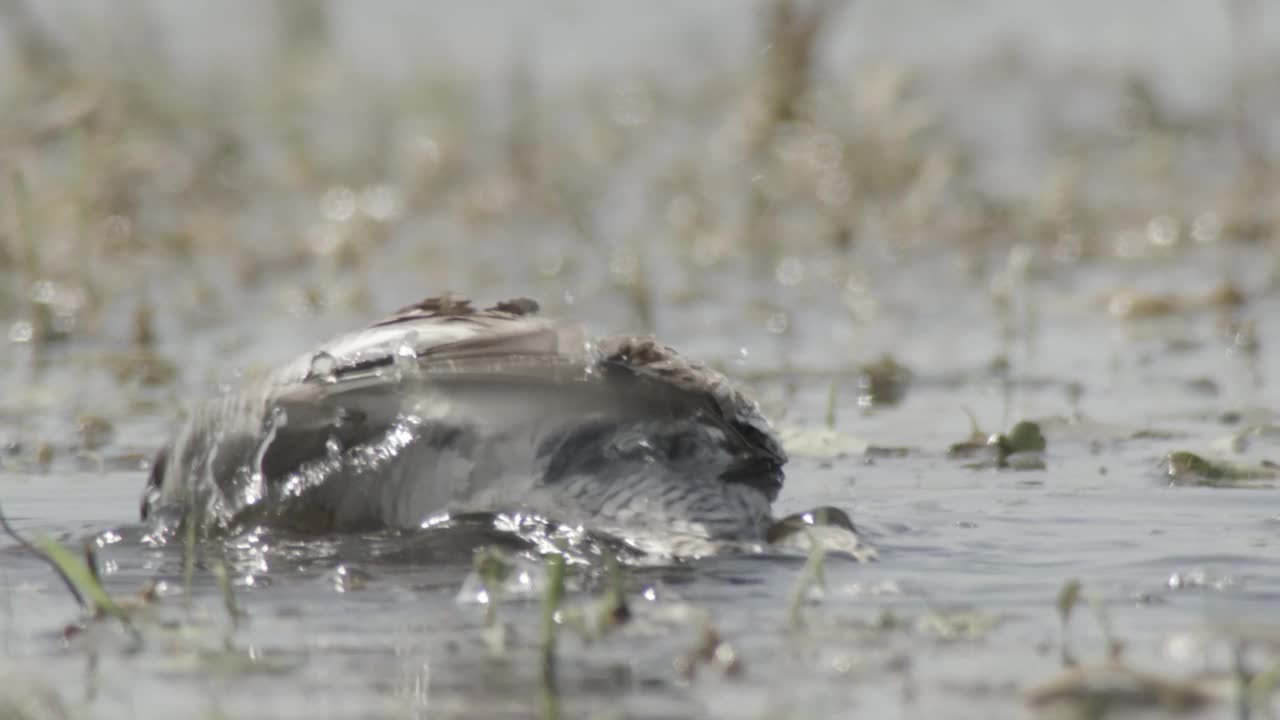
(956, 617)
(981, 553)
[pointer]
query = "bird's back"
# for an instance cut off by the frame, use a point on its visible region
(445, 408)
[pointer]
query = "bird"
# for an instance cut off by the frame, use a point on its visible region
(444, 408)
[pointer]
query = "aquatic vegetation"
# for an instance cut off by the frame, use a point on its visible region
(1113, 688)
(712, 651)
(554, 595)
(79, 575)
(883, 382)
(349, 579)
(1186, 468)
(1023, 437)
(493, 568)
(614, 609)
(95, 431)
(957, 625)
(1022, 448)
(219, 570)
(1068, 596)
(810, 585)
(1134, 305)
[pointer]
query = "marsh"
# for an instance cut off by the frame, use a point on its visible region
(906, 231)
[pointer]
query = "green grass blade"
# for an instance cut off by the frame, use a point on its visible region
(78, 573)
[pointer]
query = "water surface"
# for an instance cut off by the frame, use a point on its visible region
(1036, 248)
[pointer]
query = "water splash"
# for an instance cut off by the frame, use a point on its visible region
(333, 449)
(208, 504)
(405, 357)
(256, 488)
(324, 368)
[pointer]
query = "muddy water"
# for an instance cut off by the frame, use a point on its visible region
(956, 617)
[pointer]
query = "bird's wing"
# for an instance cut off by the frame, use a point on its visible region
(660, 364)
(500, 368)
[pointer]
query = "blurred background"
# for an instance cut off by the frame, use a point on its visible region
(193, 187)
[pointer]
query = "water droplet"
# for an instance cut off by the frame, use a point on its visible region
(338, 203)
(624, 264)
(790, 272)
(44, 291)
(256, 488)
(426, 149)
(1206, 228)
(21, 331)
(405, 357)
(778, 323)
(333, 448)
(348, 579)
(1163, 231)
(381, 202)
(324, 367)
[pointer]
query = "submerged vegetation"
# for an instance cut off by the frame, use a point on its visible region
(876, 245)
(1113, 688)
